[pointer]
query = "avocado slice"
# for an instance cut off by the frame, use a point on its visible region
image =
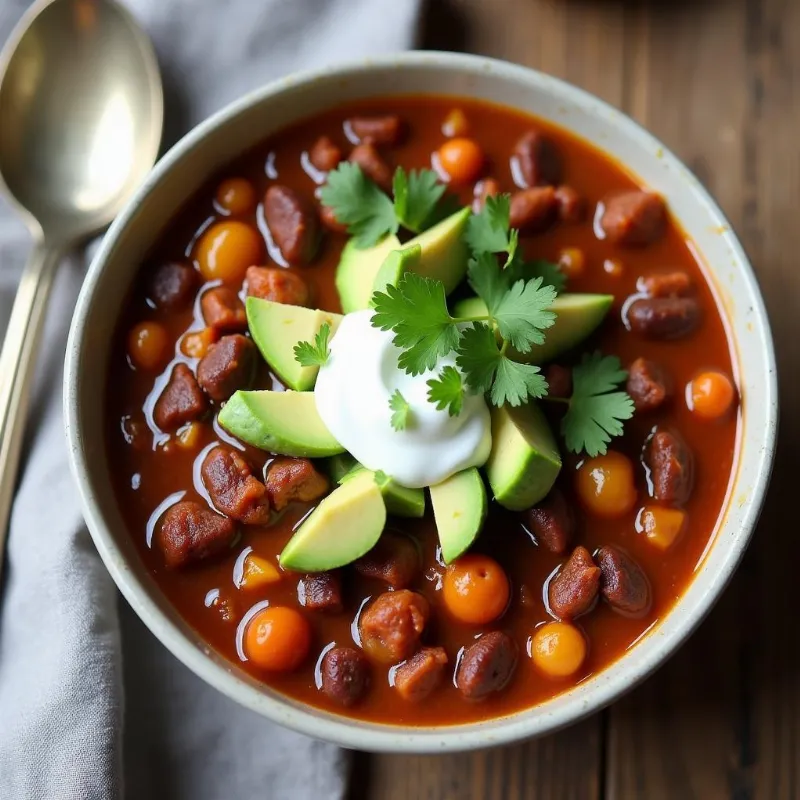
(443, 255)
(400, 500)
(524, 462)
(577, 316)
(395, 265)
(286, 423)
(343, 527)
(459, 508)
(355, 274)
(277, 327)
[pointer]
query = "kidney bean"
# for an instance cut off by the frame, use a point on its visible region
(573, 590)
(190, 532)
(277, 284)
(487, 665)
(325, 155)
(623, 584)
(538, 159)
(345, 675)
(559, 379)
(320, 591)
(391, 625)
(181, 401)
(488, 187)
(173, 285)
(551, 522)
(290, 479)
(394, 559)
(233, 488)
(223, 310)
(372, 165)
(666, 284)
(228, 365)
(648, 384)
(571, 206)
(664, 317)
(421, 674)
(533, 210)
(328, 217)
(293, 224)
(670, 463)
(633, 218)
(386, 129)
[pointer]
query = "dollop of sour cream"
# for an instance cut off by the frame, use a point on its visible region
(352, 396)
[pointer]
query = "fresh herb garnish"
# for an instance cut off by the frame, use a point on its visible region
(415, 197)
(401, 410)
(316, 354)
(446, 391)
(596, 411)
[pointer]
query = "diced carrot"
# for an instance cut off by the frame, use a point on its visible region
(258, 572)
(660, 525)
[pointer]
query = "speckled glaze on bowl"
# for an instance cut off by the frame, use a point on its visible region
(249, 121)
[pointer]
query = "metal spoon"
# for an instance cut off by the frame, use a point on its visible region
(81, 110)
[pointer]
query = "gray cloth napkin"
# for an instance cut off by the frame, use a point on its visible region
(91, 705)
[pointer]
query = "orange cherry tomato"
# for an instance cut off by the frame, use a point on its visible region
(461, 159)
(606, 485)
(558, 649)
(710, 395)
(148, 343)
(475, 589)
(227, 249)
(236, 196)
(277, 639)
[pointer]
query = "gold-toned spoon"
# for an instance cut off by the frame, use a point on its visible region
(81, 111)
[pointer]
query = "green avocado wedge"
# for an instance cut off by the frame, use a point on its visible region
(400, 500)
(577, 316)
(355, 274)
(286, 423)
(277, 327)
(524, 461)
(444, 251)
(396, 264)
(343, 527)
(459, 508)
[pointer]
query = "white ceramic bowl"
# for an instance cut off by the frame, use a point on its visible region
(249, 121)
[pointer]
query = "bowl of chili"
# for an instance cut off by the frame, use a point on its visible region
(576, 582)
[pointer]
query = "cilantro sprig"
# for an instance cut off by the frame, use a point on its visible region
(446, 391)
(314, 354)
(401, 411)
(369, 213)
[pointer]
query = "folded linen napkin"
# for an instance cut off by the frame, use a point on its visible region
(91, 705)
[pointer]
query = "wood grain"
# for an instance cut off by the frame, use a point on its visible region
(719, 82)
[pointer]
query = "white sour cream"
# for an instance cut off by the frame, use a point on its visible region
(352, 397)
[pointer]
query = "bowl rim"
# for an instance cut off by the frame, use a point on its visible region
(620, 676)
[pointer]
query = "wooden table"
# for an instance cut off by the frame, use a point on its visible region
(719, 82)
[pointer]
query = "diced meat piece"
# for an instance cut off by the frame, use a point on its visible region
(664, 317)
(551, 522)
(633, 218)
(391, 625)
(293, 224)
(670, 465)
(559, 379)
(291, 479)
(190, 532)
(277, 284)
(328, 217)
(325, 155)
(537, 159)
(487, 665)
(623, 584)
(227, 366)
(395, 560)
(386, 129)
(421, 674)
(233, 488)
(345, 675)
(223, 310)
(181, 401)
(648, 384)
(372, 165)
(573, 590)
(571, 206)
(173, 285)
(666, 284)
(488, 187)
(533, 210)
(320, 591)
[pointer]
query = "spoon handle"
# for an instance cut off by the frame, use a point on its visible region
(17, 362)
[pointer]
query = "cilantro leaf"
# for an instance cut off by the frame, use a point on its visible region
(478, 356)
(596, 412)
(487, 279)
(521, 314)
(488, 231)
(549, 272)
(401, 410)
(358, 203)
(416, 310)
(514, 383)
(415, 197)
(447, 391)
(316, 354)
